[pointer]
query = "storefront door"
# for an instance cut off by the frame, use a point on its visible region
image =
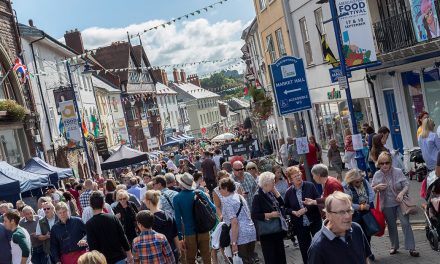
(393, 120)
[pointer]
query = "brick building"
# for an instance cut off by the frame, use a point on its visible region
(19, 138)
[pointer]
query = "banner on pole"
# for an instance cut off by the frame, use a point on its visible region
(425, 19)
(71, 125)
(122, 130)
(357, 35)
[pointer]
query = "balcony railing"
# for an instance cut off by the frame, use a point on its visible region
(395, 33)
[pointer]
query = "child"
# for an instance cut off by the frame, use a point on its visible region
(334, 158)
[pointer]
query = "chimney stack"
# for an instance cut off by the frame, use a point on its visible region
(183, 75)
(176, 75)
(194, 79)
(165, 77)
(74, 40)
(31, 23)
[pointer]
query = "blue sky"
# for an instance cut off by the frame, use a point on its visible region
(189, 40)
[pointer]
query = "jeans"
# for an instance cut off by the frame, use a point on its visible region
(38, 256)
(391, 215)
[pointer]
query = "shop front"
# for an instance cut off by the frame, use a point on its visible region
(331, 114)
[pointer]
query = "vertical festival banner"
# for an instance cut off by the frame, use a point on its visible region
(425, 19)
(122, 130)
(71, 126)
(357, 35)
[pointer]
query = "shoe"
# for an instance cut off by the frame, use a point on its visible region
(372, 257)
(393, 251)
(414, 253)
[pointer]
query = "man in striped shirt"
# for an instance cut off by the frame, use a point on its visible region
(150, 246)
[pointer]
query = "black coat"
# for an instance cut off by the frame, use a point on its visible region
(263, 204)
(292, 204)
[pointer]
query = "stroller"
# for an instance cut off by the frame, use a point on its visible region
(419, 164)
(432, 211)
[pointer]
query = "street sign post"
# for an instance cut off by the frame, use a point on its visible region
(343, 82)
(336, 72)
(290, 85)
(240, 148)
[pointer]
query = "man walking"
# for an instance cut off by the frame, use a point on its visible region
(209, 171)
(293, 157)
(246, 180)
(150, 246)
(30, 222)
(5, 245)
(44, 226)
(67, 242)
(106, 234)
(135, 189)
(166, 195)
(21, 241)
(340, 240)
(84, 198)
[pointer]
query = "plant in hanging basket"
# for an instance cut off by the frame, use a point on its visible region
(15, 112)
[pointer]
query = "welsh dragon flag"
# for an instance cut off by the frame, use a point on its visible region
(95, 126)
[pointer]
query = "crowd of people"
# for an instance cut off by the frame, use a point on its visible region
(151, 214)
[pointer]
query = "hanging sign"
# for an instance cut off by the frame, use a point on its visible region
(357, 35)
(71, 125)
(241, 148)
(425, 19)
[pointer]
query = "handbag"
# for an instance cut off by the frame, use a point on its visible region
(268, 227)
(379, 216)
(408, 206)
(370, 224)
(225, 237)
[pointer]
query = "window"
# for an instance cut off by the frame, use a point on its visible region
(11, 147)
(320, 25)
(306, 40)
(262, 4)
(280, 41)
(270, 48)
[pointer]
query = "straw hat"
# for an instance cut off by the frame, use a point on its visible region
(186, 180)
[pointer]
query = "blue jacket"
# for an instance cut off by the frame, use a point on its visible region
(183, 209)
(64, 238)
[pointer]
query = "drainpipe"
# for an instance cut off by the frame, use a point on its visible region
(41, 94)
(369, 80)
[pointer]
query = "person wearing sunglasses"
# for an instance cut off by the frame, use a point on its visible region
(246, 180)
(45, 224)
(392, 186)
(362, 196)
(340, 240)
(126, 211)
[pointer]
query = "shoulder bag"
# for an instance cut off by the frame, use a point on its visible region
(379, 217)
(408, 206)
(225, 237)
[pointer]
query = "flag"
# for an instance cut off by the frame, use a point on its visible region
(84, 127)
(20, 68)
(246, 88)
(61, 126)
(257, 84)
(95, 125)
(327, 52)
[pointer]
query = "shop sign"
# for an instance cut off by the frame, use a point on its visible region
(290, 85)
(425, 19)
(334, 94)
(152, 143)
(240, 148)
(336, 72)
(101, 146)
(71, 125)
(357, 35)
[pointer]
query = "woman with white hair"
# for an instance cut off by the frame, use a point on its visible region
(267, 214)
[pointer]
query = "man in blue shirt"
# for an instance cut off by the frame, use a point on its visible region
(191, 241)
(67, 237)
(5, 245)
(135, 189)
(339, 240)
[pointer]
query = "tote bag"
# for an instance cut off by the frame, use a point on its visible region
(379, 216)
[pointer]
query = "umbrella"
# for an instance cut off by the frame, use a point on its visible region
(223, 137)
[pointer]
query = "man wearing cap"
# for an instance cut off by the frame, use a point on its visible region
(190, 240)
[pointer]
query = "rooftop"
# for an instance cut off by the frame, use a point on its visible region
(163, 89)
(194, 91)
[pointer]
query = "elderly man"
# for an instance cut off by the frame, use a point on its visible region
(67, 238)
(340, 240)
(30, 222)
(293, 157)
(171, 182)
(329, 185)
(135, 189)
(283, 153)
(227, 166)
(246, 180)
(45, 224)
(166, 195)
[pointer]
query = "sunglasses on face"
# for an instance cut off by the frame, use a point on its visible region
(241, 169)
(46, 209)
(123, 199)
(384, 163)
(252, 168)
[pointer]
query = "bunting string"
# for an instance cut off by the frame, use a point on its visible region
(230, 67)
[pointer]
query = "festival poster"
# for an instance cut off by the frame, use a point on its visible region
(425, 19)
(71, 125)
(357, 35)
(122, 130)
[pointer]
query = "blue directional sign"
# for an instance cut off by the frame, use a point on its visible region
(336, 72)
(290, 85)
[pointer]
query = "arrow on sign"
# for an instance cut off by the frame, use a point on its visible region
(286, 92)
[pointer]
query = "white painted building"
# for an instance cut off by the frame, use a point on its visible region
(168, 107)
(50, 83)
(201, 107)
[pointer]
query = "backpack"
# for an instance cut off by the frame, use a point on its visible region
(204, 218)
(225, 237)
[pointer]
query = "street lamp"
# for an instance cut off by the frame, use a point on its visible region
(75, 103)
(360, 159)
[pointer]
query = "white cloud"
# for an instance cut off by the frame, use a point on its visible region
(190, 41)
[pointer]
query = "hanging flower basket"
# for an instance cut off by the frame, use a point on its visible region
(14, 111)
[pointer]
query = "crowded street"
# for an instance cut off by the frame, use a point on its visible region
(219, 132)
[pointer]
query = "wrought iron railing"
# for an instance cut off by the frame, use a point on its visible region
(395, 33)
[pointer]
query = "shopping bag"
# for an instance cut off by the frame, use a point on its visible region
(379, 216)
(236, 259)
(371, 225)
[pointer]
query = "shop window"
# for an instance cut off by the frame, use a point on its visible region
(306, 40)
(10, 148)
(414, 98)
(280, 42)
(431, 80)
(270, 48)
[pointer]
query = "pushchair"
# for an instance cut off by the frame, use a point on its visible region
(419, 164)
(432, 211)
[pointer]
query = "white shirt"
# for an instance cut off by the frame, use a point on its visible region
(51, 223)
(216, 160)
(16, 250)
(88, 212)
(172, 166)
(283, 151)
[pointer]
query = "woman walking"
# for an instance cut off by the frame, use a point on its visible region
(266, 210)
(126, 212)
(349, 157)
(429, 143)
(392, 185)
(280, 180)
